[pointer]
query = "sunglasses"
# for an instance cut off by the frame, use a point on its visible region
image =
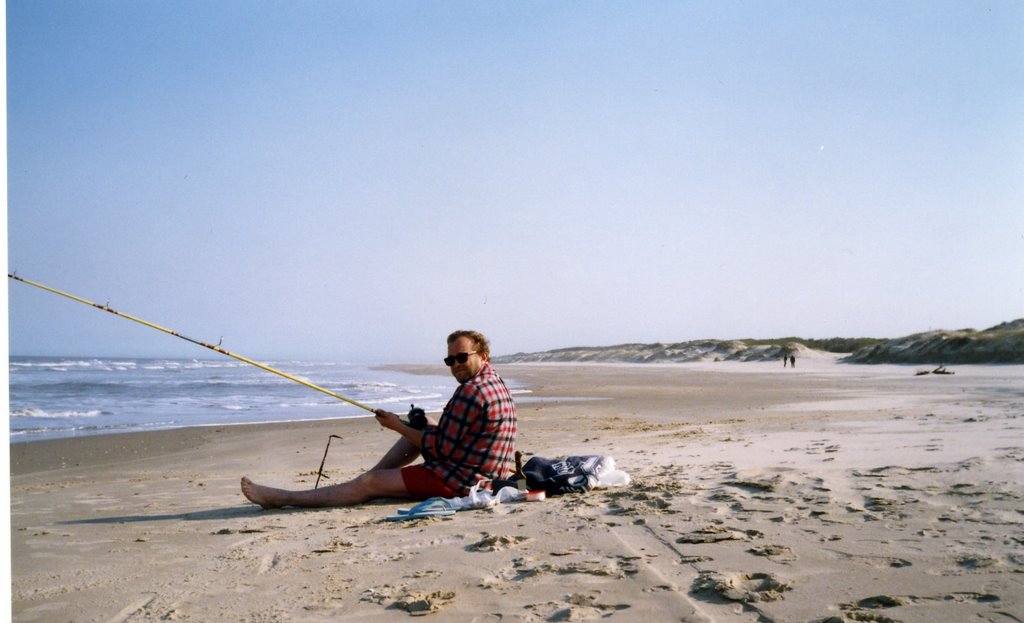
(461, 358)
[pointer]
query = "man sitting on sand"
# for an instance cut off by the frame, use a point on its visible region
(474, 440)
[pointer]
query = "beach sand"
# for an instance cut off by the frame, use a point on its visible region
(829, 492)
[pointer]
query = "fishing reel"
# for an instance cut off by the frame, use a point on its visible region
(417, 417)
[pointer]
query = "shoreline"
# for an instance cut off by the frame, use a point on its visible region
(90, 451)
(802, 495)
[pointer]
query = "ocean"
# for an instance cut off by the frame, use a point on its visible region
(54, 397)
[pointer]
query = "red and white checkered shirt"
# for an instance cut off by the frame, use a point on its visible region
(476, 437)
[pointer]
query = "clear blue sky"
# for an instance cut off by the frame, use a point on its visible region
(353, 180)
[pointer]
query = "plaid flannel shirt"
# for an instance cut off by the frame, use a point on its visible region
(476, 437)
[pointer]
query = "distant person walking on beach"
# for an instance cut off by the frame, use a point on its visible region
(474, 440)
(792, 361)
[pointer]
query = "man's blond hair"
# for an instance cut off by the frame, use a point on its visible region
(482, 346)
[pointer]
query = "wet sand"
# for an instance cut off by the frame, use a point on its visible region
(828, 493)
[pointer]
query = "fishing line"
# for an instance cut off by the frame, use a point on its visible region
(212, 347)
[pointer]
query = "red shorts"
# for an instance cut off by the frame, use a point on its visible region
(421, 484)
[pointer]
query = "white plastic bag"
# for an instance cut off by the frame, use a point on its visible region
(611, 477)
(485, 498)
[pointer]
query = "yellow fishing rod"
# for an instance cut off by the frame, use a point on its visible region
(188, 339)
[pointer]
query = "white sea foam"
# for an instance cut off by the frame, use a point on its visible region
(372, 386)
(69, 365)
(62, 364)
(194, 364)
(307, 405)
(406, 398)
(39, 413)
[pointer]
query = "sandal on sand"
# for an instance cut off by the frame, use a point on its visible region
(434, 507)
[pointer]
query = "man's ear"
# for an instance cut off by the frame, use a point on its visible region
(484, 356)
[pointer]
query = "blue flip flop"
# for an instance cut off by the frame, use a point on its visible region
(434, 507)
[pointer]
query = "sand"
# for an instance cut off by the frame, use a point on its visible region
(831, 492)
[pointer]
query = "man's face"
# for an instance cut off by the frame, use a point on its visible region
(464, 371)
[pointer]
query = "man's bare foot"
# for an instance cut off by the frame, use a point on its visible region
(266, 497)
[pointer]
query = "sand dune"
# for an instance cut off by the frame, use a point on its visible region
(1000, 344)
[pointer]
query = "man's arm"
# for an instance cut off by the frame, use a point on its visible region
(392, 421)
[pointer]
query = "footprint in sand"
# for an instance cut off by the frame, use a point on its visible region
(714, 534)
(862, 610)
(879, 562)
(418, 604)
(977, 562)
(584, 608)
(639, 503)
(778, 553)
(494, 542)
(614, 567)
(744, 587)
(336, 545)
(268, 563)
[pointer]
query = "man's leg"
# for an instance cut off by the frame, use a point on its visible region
(400, 455)
(377, 483)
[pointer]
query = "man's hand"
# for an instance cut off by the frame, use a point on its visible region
(391, 420)
(388, 419)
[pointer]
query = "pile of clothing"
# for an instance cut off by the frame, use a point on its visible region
(574, 474)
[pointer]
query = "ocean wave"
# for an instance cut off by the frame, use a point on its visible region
(301, 364)
(195, 364)
(308, 405)
(63, 363)
(371, 385)
(247, 382)
(107, 387)
(71, 430)
(122, 365)
(67, 365)
(407, 398)
(39, 413)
